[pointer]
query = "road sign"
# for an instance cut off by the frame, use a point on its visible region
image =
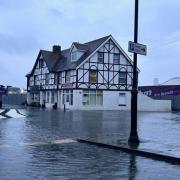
(137, 48)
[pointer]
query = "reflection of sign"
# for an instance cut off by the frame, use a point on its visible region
(67, 85)
(2, 90)
(137, 48)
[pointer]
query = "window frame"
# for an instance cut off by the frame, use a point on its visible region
(115, 59)
(100, 59)
(67, 76)
(124, 78)
(47, 78)
(90, 76)
(74, 56)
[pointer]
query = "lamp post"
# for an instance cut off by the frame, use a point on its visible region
(133, 138)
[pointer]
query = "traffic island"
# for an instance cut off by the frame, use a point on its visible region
(133, 149)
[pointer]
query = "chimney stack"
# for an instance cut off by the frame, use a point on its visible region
(56, 49)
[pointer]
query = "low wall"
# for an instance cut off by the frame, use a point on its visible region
(14, 99)
(146, 103)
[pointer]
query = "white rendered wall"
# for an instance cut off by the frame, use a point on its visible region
(29, 98)
(146, 103)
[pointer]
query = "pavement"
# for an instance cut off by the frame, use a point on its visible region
(158, 140)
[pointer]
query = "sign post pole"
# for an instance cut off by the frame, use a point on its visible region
(133, 133)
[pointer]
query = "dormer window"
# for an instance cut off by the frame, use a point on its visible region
(74, 56)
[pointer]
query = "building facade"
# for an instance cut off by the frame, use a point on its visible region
(94, 75)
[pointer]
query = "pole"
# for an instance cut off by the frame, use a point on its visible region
(133, 133)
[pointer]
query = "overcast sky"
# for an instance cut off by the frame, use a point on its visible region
(30, 25)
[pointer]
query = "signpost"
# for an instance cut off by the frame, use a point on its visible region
(135, 48)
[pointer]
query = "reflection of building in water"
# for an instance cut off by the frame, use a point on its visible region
(169, 90)
(132, 167)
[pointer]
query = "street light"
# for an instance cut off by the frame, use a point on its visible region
(133, 138)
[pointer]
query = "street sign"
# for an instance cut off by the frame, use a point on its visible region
(137, 48)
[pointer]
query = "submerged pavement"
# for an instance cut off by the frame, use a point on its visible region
(42, 145)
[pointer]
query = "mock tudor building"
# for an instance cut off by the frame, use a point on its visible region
(93, 75)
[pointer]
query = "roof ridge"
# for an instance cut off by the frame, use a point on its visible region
(97, 39)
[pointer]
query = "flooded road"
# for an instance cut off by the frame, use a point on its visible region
(43, 145)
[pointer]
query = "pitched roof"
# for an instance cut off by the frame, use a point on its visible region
(62, 61)
(65, 63)
(82, 47)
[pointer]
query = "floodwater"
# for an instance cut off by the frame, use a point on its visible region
(43, 145)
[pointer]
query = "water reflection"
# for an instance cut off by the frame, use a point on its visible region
(132, 167)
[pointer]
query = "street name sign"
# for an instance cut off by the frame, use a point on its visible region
(137, 48)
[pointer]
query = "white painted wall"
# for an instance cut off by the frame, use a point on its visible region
(146, 103)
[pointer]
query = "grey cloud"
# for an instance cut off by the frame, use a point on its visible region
(55, 12)
(18, 44)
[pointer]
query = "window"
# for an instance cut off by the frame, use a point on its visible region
(122, 99)
(52, 97)
(122, 78)
(93, 76)
(35, 80)
(100, 57)
(92, 98)
(47, 97)
(67, 78)
(116, 58)
(60, 77)
(67, 97)
(55, 78)
(47, 78)
(73, 56)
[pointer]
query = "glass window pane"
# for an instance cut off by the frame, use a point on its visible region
(93, 76)
(99, 98)
(92, 99)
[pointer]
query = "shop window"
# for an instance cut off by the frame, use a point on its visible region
(92, 98)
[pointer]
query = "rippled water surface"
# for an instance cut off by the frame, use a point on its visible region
(43, 146)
